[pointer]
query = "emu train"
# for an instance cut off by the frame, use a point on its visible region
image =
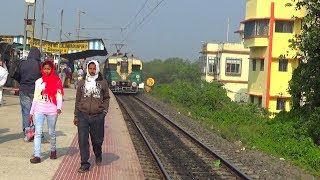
(124, 73)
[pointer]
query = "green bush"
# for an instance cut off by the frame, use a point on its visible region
(291, 135)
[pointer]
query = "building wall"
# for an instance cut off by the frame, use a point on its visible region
(271, 85)
(237, 91)
(236, 84)
(261, 9)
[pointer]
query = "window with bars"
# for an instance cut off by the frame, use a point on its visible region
(260, 101)
(251, 99)
(203, 64)
(254, 65)
(284, 26)
(212, 65)
(281, 104)
(262, 65)
(233, 66)
(283, 65)
(256, 28)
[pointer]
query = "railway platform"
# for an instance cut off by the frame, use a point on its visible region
(120, 160)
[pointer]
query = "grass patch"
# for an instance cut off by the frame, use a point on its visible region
(290, 135)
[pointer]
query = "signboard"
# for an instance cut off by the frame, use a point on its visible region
(30, 1)
(150, 81)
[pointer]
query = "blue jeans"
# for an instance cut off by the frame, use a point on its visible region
(25, 102)
(38, 122)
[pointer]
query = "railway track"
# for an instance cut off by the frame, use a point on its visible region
(178, 154)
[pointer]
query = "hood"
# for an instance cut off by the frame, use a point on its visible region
(34, 54)
(53, 70)
(97, 66)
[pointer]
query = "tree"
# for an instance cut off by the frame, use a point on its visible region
(305, 82)
(172, 69)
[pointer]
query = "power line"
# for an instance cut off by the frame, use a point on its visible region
(154, 8)
(143, 19)
(142, 7)
(102, 28)
(67, 36)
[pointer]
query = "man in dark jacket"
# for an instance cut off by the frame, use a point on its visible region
(30, 72)
(91, 107)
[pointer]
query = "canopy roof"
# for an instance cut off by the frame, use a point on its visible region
(84, 54)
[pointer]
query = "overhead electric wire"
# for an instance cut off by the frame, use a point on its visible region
(99, 28)
(103, 24)
(142, 7)
(143, 19)
(154, 8)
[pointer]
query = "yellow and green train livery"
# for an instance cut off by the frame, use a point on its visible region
(124, 73)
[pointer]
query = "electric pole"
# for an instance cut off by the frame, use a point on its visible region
(41, 33)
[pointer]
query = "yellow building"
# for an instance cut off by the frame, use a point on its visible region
(227, 63)
(269, 24)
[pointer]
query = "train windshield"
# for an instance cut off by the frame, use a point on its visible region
(135, 67)
(124, 67)
(112, 67)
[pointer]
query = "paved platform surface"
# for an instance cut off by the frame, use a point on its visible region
(119, 157)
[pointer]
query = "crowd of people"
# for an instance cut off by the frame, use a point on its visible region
(41, 92)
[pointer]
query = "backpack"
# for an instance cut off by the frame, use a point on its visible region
(15, 70)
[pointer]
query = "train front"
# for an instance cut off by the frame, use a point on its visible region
(124, 73)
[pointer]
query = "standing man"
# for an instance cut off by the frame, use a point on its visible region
(91, 107)
(62, 75)
(75, 78)
(29, 73)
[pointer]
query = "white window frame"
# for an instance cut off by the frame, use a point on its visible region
(212, 65)
(203, 64)
(231, 66)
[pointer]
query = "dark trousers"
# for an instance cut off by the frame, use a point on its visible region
(93, 125)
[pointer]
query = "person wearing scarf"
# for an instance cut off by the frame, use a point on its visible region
(46, 104)
(3, 77)
(91, 107)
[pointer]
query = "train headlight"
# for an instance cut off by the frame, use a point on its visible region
(113, 83)
(134, 84)
(137, 76)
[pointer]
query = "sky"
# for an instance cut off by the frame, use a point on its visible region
(149, 29)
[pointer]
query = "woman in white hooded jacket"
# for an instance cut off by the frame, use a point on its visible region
(3, 78)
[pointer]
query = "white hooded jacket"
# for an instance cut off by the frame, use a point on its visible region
(3, 75)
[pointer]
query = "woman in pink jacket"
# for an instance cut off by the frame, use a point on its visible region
(46, 104)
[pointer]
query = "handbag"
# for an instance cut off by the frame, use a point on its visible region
(30, 131)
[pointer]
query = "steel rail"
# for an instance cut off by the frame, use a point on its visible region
(226, 162)
(134, 120)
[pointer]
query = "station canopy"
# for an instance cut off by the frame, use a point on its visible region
(84, 54)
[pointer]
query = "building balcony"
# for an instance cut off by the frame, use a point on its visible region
(256, 41)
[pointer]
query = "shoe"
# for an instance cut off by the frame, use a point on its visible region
(44, 140)
(35, 160)
(98, 160)
(53, 155)
(25, 139)
(84, 168)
